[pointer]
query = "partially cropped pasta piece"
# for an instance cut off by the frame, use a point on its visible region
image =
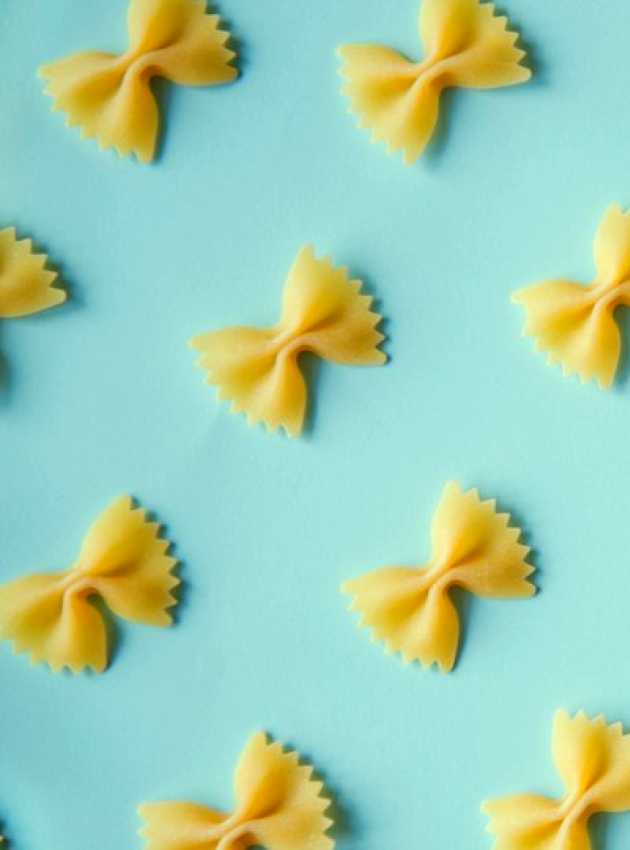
(279, 806)
(575, 324)
(109, 96)
(593, 761)
(410, 609)
(26, 286)
(257, 369)
(123, 561)
(466, 46)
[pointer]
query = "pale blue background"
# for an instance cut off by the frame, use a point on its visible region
(101, 397)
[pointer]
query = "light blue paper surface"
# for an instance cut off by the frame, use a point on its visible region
(101, 397)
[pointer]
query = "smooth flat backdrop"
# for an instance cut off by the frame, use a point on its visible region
(101, 397)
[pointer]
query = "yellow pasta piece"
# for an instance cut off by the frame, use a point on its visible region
(257, 369)
(109, 97)
(26, 286)
(409, 608)
(278, 806)
(466, 46)
(593, 761)
(123, 561)
(575, 324)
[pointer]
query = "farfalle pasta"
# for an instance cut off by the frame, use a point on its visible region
(575, 324)
(279, 806)
(593, 761)
(466, 46)
(256, 369)
(26, 286)
(410, 609)
(123, 561)
(109, 97)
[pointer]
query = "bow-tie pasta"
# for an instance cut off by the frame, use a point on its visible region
(109, 97)
(466, 46)
(257, 369)
(279, 806)
(593, 761)
(575, 324)
(410, 609)
(123, 561)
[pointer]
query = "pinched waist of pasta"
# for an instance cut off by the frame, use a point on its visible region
(438, 74)
(138, 65)
(611, 294)
(327, 339)
(80, 581)
(574, 810)
(229, 834)
(436, 578)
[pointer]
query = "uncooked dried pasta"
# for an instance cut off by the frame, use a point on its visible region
(109, 96)
(593, 761)
(466, 46)
(26, 286)
(257, 369)
(575, 324)
(279, 806)
(123, 561)
(409, 608)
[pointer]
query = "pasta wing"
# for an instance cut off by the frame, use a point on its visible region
(258, 369)
(531, 822)
(574, 324)
(245, 365)
(180, 826)
(279, 806)
(409, 608)
(126, 562)
(52, 625)
(122, 561)
(279, 799)
(26, 286)
(109, 97)
(408, 612)
(189, 44)
(466, 44)
(101, 96)
(474, 43)
(479, 544)
(325, 312)
(593, 759)
(447, 27)
(567, 323)
(611, 248)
